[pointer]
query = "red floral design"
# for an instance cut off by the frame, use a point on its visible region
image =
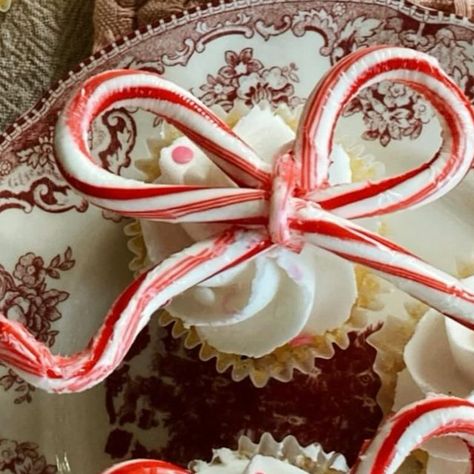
(245, 78)
(7, 165)
(40, 155)
(24, 297)
(200, 409)
(118, 131)
(23, 458)
(240, 64)
(390, 112)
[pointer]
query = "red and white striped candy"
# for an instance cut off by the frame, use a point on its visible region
(411, 427)
(173, 203)
(413, 188)
(438, 289)
(291, 206)
(145, 466)
(126, 318)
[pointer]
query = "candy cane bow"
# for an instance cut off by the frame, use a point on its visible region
(290, 205)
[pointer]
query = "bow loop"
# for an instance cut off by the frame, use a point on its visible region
(413, 188)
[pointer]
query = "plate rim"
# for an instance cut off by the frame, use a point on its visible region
(213, 7)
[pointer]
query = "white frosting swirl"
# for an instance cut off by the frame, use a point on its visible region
(439, 359)
(277, 297)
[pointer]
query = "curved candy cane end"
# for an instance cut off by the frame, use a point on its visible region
(145, 466)
(415, 424)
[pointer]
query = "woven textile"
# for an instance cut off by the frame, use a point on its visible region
(39, 41)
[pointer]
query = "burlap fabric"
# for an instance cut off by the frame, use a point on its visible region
(39, 41)
(114, 18)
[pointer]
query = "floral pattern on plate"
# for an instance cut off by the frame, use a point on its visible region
(140, 407)
(23, 458)
(245, 78)
(25, 297)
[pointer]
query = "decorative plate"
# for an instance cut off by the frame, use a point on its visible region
(62, 262)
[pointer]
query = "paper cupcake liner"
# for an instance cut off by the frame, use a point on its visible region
(311, 459)
(282, 362)
(136, 244)
(389, 342)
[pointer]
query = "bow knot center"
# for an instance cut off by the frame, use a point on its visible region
(281, 202)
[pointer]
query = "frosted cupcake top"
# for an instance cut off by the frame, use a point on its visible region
(232, 310)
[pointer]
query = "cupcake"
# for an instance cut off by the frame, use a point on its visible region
(267, 456)
(258, 268)
(440, 234)
(448, 369)
(419, 351)
(285, 295)
(388, 452)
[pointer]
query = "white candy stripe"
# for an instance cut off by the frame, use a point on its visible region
(204, 205)
(414, 188)
(411, 427)
(438, 289)
(127, 317)
(131, 197)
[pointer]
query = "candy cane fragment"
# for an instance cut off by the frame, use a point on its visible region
(411, 427)
(392, 262)
(145, 466)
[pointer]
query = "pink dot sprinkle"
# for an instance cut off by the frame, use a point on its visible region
(182, 154)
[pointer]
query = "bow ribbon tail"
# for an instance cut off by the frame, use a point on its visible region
(424, 282)
(131, 311)
(412, 426)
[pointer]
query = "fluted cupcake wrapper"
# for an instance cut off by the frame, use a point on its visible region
(312, 459)
(281, 363)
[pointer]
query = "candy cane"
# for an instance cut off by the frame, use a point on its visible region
(154, 201)
(392, 262)
(411, 427)
(413, 188)
(145, 466)
(291, 206)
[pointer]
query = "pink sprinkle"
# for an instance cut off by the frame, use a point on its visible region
(301, 340)
(182, 154)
